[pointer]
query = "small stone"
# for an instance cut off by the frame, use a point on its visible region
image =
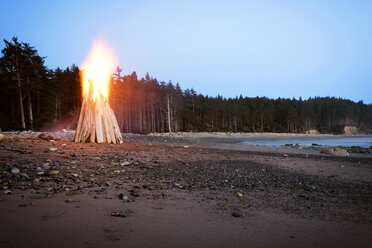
(53, 149)
(285, 155)
(185, 146)
(122, 214)
(123, 197)
(7, 192)
(95, 158)
(114, 163)
(25, 175)
(2, 138)
(56, 163)
(74, 174)
(107, 184)
(125, 163)
(54, 172)
(238, 214)
(40, 173)
(69, 201)
(15, 170)
(46, 166)
(64, 145)
(240, 195)
(134, 193)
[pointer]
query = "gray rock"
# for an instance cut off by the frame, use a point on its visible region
(336, 151)
(15, 170)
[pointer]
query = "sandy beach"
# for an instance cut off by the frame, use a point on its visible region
(181, 190)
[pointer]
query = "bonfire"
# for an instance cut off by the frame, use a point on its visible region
(97, 121)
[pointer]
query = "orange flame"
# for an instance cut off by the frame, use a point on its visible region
(97, 71)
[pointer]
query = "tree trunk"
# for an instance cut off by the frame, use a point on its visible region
(23, 124)
(31, 117)
(169, 115)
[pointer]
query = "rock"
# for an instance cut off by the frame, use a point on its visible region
(7, 192)
(69, 201)
(351, 130)
(178, 185)
(64, 145)
(114, 163)
(15, 170)
(240, 195)
(45, 166)
(74, 174)
(107, 184)
(312, 131)
(124, 163)
(44, 136)
(285, 155)
(25, 175)
(336, 151)
(54, 172)
(123, 197)
(95, 158)
(122, 214)
(2, 138)
(53, 149)
(238, 214)
(40, 173)
(134, 193)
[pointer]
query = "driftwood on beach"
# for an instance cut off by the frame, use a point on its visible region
(97, 122)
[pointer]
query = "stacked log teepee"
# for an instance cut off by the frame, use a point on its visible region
(97, 122)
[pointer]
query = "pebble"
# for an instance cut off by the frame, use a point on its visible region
(108, 184)
(122, 214)
(95, 158)
(52, 149)
(238, 214)
(7, 192)
(25, 175)
(240, 195)
(40, 173)
(126, 163)
(15, 170)
(64, 145)
(134, 193)
(74, 174)
(69, 201)
(2, 138)
(54, 172)
(123, 197)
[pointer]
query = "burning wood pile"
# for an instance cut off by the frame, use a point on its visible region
(97, 121)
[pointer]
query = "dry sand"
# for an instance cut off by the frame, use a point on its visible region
(187, 190)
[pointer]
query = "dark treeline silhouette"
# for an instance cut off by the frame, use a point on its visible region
(35, 97)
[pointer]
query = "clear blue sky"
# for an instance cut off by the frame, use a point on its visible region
(254, 48)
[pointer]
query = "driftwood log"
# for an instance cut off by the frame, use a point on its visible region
(97, 122)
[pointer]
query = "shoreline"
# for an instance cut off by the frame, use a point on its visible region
(182, 193)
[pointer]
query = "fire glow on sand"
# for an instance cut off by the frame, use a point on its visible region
(97, 121)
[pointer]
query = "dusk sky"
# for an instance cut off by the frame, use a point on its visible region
(254, 48)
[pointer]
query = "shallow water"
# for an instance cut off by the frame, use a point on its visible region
(362, 141)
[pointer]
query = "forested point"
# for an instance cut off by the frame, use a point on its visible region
(38, 98)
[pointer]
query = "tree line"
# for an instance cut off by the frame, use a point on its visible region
(35, 97)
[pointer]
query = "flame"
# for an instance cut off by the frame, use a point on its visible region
(97, 71)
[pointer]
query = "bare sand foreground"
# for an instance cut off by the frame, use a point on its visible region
(180, 190)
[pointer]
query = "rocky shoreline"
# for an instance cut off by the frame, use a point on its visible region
(216, 183)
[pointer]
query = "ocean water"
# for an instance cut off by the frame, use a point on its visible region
(362, 141)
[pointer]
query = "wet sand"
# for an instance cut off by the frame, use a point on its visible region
(186, 195)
